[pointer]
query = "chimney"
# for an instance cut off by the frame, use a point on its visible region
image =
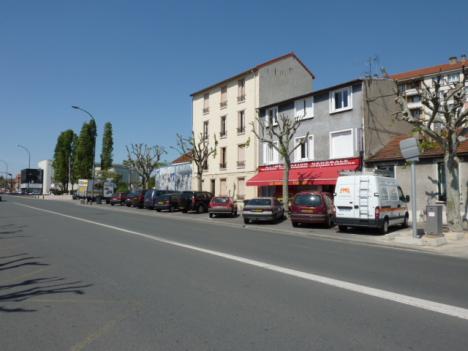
(453, 60)
(463, 58)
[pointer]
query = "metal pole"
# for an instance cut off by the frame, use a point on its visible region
(413, 199)
(94, 146)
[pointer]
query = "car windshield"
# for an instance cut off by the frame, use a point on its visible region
(308, 200)
(259, 202)
(221, 200)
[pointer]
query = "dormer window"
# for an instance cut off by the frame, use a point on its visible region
(341, 100)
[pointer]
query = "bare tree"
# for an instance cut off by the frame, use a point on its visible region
(279, 134)
(199, 149)
(443, 122)
(144, 160)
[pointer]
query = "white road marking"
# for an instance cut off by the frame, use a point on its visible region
(429, 305)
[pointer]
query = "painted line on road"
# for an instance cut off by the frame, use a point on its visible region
(449, 310)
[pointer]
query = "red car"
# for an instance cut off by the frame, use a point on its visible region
(118, 199)
(222, 205)
(312, 207)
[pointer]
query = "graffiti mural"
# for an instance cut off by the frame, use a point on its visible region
(175, 177)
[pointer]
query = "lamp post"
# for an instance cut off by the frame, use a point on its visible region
(6, 167)
(94, 145)
(29, 163)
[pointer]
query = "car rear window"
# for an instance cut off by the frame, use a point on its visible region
(221, 200)
(308, 200)
(259, 202)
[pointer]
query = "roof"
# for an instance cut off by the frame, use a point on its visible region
(256, 68)
(429, 70)
(185, 158)
(391, 151)
(317, 92)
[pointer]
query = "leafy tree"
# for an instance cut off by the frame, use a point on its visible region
(444, 122)
(107, 147)
(200, 150)
(84, 154)
(279, 134)
(63, 158)
(144, 160)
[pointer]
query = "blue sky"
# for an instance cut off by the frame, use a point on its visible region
(135, 63)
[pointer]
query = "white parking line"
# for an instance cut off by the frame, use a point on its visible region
(445, 309)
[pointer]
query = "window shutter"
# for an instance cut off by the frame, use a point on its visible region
(299, 108)
(311, 148)
(309, 107)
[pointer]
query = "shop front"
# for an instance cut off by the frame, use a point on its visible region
(303, 176)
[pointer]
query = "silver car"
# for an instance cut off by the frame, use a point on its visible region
(263, 209)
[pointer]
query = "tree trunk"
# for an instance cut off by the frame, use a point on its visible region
(287, 166)
(454, 220)
(199, 181)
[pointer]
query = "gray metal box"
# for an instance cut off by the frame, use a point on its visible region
(434, 219)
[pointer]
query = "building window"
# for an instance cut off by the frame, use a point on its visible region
(416, 113)
(270, 154)
(271, 117)
(341, 100)
(304, 108)
(213, 186)
(441, 182)
(305, 151)
(241, 90)
(223, 187)
(223, 131)
(386, 171)
(341, 144)
(223, 102)
(241, 156)
(241, 122)
(222, 164)
(453, 78)
(205, 130)
(205, 165)
(206, 103)
(240, 188)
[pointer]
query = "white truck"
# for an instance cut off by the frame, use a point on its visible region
(105, 189)
(368, 200)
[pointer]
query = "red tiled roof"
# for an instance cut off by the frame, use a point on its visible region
(391, 151)
(429, 70)
(187, 157)
(256, 68)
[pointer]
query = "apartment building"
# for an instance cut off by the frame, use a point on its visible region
(344, 124)
(225, 111)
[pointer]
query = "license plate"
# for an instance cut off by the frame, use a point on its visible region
(161, 203)
(307, 211)
(257, 210)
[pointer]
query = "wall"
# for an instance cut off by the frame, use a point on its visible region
(379, 115)
(47, 176)
(283, 80)
(175, 177)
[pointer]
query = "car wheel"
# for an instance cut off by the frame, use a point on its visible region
(200, 209)
(384, 227)
(234, 214)
(329, 222)
(405, 222)
(184, 211)
(211, 215)
(112, 204)
(342, 228)
(158, 210)
(295, 224)
(246, 221)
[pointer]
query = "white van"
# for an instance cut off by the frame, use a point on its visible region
(368, 200)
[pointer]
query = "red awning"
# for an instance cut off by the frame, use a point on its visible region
(302, 176)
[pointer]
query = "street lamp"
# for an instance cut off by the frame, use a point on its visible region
(29, 162)
(94, 144)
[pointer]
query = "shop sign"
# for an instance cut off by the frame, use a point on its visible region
(313, 164)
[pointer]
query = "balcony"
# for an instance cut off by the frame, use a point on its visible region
(240, 130)
(206, 110)
(223, 105)
(240, 164)
(222, 165)
(241, 99)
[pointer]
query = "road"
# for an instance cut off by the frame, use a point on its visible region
(76, 277)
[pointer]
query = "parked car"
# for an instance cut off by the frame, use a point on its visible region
(195, 201)
(169, 202)
(368, 200)
(118, 199)
(222, 205)
(129, 199)
(151, 195)
(263, 209)
(312, 207)
(139, 199)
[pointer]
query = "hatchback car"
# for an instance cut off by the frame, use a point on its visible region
(312, 207)
(263, 209)
(151, 195)
(195, 201)
(139, 199)
(222, 205)
(129, 199)
(169, 202)
(118, 199)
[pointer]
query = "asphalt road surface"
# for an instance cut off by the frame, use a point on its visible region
(77, 277)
